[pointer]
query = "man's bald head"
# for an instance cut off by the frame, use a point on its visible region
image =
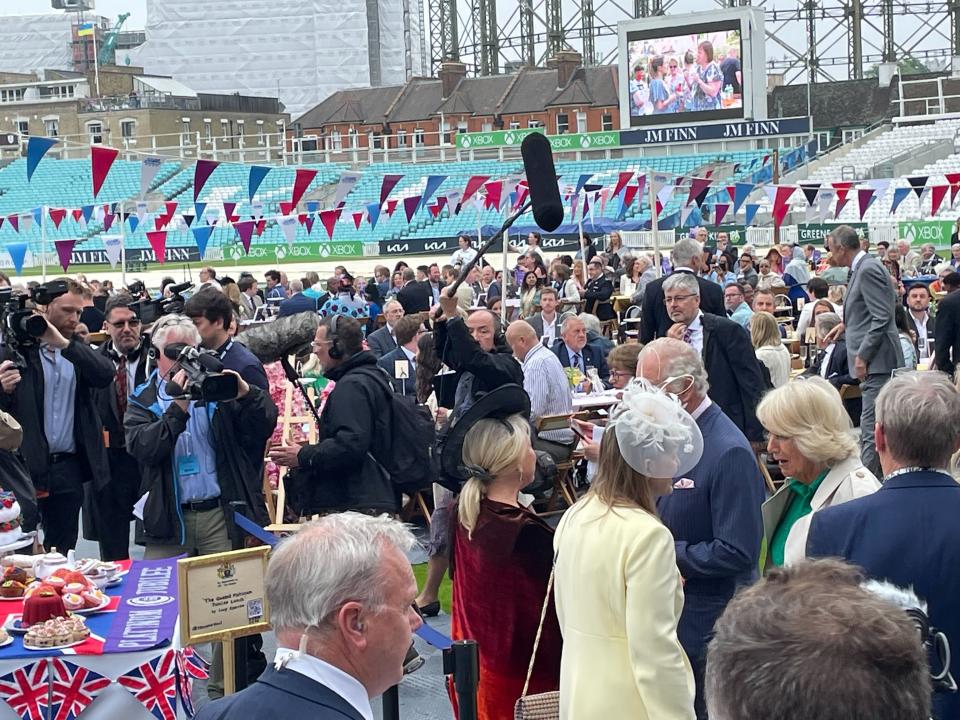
(521, 337)
(482, 325)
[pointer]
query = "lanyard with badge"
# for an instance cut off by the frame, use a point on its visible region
(187, 463)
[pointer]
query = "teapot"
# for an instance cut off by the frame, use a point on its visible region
(45, 565)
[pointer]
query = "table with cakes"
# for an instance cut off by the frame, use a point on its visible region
(85, 638)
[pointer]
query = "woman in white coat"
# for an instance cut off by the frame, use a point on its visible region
(811, 438)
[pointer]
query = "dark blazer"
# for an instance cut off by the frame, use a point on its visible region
(838, 375)
(734, 373)
(407, 386)
(906, 533)
(717, 529)
(415, 297)
(381, 342)
(297, 303)
(595, 292)
(106, 398)
(948, 333)
(536, 322)
(653, 313)
(26, 405)
(591, 358)
(281, 695)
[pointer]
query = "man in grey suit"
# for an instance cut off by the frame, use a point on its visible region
(873, 344)
(384, 340)
(547, 322)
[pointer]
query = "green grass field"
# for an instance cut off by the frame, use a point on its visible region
(446, 588)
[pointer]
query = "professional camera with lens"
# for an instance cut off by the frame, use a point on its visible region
(22, 327)
(206, 381)
(151, 310)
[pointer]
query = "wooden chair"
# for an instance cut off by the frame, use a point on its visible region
(610, 328)
(632, 320)
(850, 392)
(416, 505)
(563, 483)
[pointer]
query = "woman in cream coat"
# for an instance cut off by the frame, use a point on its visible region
(617, 588)
(811, 438)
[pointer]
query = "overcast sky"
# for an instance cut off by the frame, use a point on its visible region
(107, 8)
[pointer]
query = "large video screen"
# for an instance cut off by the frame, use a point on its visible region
(697, 75)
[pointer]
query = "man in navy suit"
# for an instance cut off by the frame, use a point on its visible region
(713, 512)
(354, 634)
(407, 331)
(907, 532)
(297, 302)
(574, 350)
(384, 339)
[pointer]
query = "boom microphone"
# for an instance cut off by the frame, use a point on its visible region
(542, 181)
(284, 336)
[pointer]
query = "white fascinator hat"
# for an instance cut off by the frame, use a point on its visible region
(657, 437)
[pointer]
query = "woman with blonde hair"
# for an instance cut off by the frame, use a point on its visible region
(501, 553)
(812, 439)
(617, 587)
(770, 350)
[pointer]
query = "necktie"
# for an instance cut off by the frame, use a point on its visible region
(120, 381)
(687, 335)
(576, 362)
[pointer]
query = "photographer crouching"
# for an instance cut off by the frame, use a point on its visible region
(191, 443)
(48, 379)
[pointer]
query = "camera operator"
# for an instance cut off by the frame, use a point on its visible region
(53, 400)
(194, 458)
(212, 313)
(107, 514)
(343, 472)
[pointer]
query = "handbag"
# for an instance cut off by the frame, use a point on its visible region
(542, 706)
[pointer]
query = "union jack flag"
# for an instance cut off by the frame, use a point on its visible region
(154, 685)
(195, 664)
(27, 690)
(74, 688)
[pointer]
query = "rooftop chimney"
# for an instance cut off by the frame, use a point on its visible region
(451, 73)
(565, 62)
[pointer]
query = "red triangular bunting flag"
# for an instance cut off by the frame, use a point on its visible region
(101, 159)
(286, 208)
(720, 212)
(864, 196)
(158, 241)
(473, 184)
(732, 192)
(308, 222)
(434, 210)
(410, 205)
(622, 180)
(842, 188)
(937, 193)
(64, 252)
(57, 215)
(391, 207)
(228, 208)
(780, 205)
(302, 218)
(328, 218)
(301, 182)
(245, 231)
(630, 194)
(357, 219)
(389, 183)
(697, 187)
(201, 173)
(494, 192)
(954, 180)
(261, 226)
(14, 221)
(76, 214)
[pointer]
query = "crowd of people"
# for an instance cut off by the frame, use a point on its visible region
(721, 420)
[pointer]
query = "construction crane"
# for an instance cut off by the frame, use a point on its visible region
(106, 54)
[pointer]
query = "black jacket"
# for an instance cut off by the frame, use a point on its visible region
(106, 398)
(353, 425)
(734, 373)
(838, 375)
(26, 405)
(405, 386)
(948, 333)
(461, 353)
(240, 431)
(931, 331)
(654, 319)
(596, 292)
(15, 478)
(415, 297)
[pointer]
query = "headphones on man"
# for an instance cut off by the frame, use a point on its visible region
(335, 351)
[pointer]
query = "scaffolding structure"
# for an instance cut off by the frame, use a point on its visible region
(819, 40)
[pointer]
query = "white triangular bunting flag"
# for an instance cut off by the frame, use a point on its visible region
(824, 201)
(685, 214)
(111, 245)
(148, 171)
(141, 210)
(288, 225)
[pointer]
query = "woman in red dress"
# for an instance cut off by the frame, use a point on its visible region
(501, 557)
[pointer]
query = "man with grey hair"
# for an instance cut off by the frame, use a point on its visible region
(575, 352)
(736, 379)
(686, 257)
(341, 597)
(384, 340)
(713, 512)
(907, 532)
(812, 641)
(928, 259)
(909, 258)
(873, 343)
(298, 302)
(647, 275)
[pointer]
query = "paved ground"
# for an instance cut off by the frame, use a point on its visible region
(422, 695)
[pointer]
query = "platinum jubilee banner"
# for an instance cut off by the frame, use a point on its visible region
(147, 612)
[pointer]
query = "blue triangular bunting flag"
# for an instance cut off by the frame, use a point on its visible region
(36, 148)
(899, 194)
(201, 233)
(751, 213)
(87, 211)
(373, 212)
(37, 212)
(257, 174)
(198, 208)
(433, 184)
(134, 222)
(18, 253)
(741, 192)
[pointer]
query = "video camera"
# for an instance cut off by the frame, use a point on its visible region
(151, 310)
(206, 381)
(22, 327)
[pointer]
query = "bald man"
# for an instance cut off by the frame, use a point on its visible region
(546, 383)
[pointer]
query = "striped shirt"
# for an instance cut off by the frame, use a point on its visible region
(546, 383)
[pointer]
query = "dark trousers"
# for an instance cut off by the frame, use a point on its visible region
(114, 506)
(60, 510)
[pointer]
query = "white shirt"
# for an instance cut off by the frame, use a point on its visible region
(411, 356)
(701, 408)
(346, 686)
(825, 363)
(549, 329)
(462, 256)
(923, 342)
(696, 333)
(546, 383)
(856, 261)
(806, 315)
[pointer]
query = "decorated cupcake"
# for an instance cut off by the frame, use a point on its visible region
(12, 589)
(73, 601)
(92, 598)
(56, 582)
(74, 588)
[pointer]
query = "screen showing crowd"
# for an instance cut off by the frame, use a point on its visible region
(697, 73)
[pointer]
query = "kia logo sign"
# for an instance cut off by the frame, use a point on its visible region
(548, 243)
(398, 248)
(435, 245)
